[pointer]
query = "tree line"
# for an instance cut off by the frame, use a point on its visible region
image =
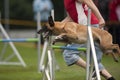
(23, 9)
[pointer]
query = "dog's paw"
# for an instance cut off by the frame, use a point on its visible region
(58, 38)
(53, 43)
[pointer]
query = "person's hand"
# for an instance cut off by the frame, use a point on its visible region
(101, 23)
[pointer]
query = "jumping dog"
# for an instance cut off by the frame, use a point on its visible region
(71, 32)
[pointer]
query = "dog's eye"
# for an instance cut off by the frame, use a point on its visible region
(44, 27)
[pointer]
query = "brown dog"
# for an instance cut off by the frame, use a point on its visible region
(76, 33)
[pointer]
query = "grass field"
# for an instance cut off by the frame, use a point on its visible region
(28, 51)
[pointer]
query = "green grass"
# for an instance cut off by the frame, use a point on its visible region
(29, 54)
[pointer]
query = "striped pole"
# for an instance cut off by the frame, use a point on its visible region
(20, 40)
(69, 48)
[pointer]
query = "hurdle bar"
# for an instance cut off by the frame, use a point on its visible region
(69, 48)
(20, 40)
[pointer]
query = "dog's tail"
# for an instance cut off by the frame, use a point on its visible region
(51, 21)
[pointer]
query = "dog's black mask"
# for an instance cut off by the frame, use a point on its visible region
(45, 31)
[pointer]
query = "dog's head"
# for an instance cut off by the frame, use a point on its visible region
(46, 30)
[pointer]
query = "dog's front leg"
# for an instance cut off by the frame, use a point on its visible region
(66, 37)
(60, 38)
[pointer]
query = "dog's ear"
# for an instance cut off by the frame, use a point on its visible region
(40, 31)
(43, 29)
(50, 21)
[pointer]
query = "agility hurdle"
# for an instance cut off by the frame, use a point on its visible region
(10, 41)
(5, 62)
(48, 62)
(47, 66)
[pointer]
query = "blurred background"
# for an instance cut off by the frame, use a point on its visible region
(18, 17)
(23, 9)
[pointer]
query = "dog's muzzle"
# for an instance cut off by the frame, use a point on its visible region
(45, 32)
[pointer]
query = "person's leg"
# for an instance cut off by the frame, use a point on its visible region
(103, 71)
(106, 74)
(72, 56)
(81, 63)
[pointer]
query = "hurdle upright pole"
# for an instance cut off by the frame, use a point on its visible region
(41, 66)
(90, 46)
(39, 41)
(52, 60)
(46, 62)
